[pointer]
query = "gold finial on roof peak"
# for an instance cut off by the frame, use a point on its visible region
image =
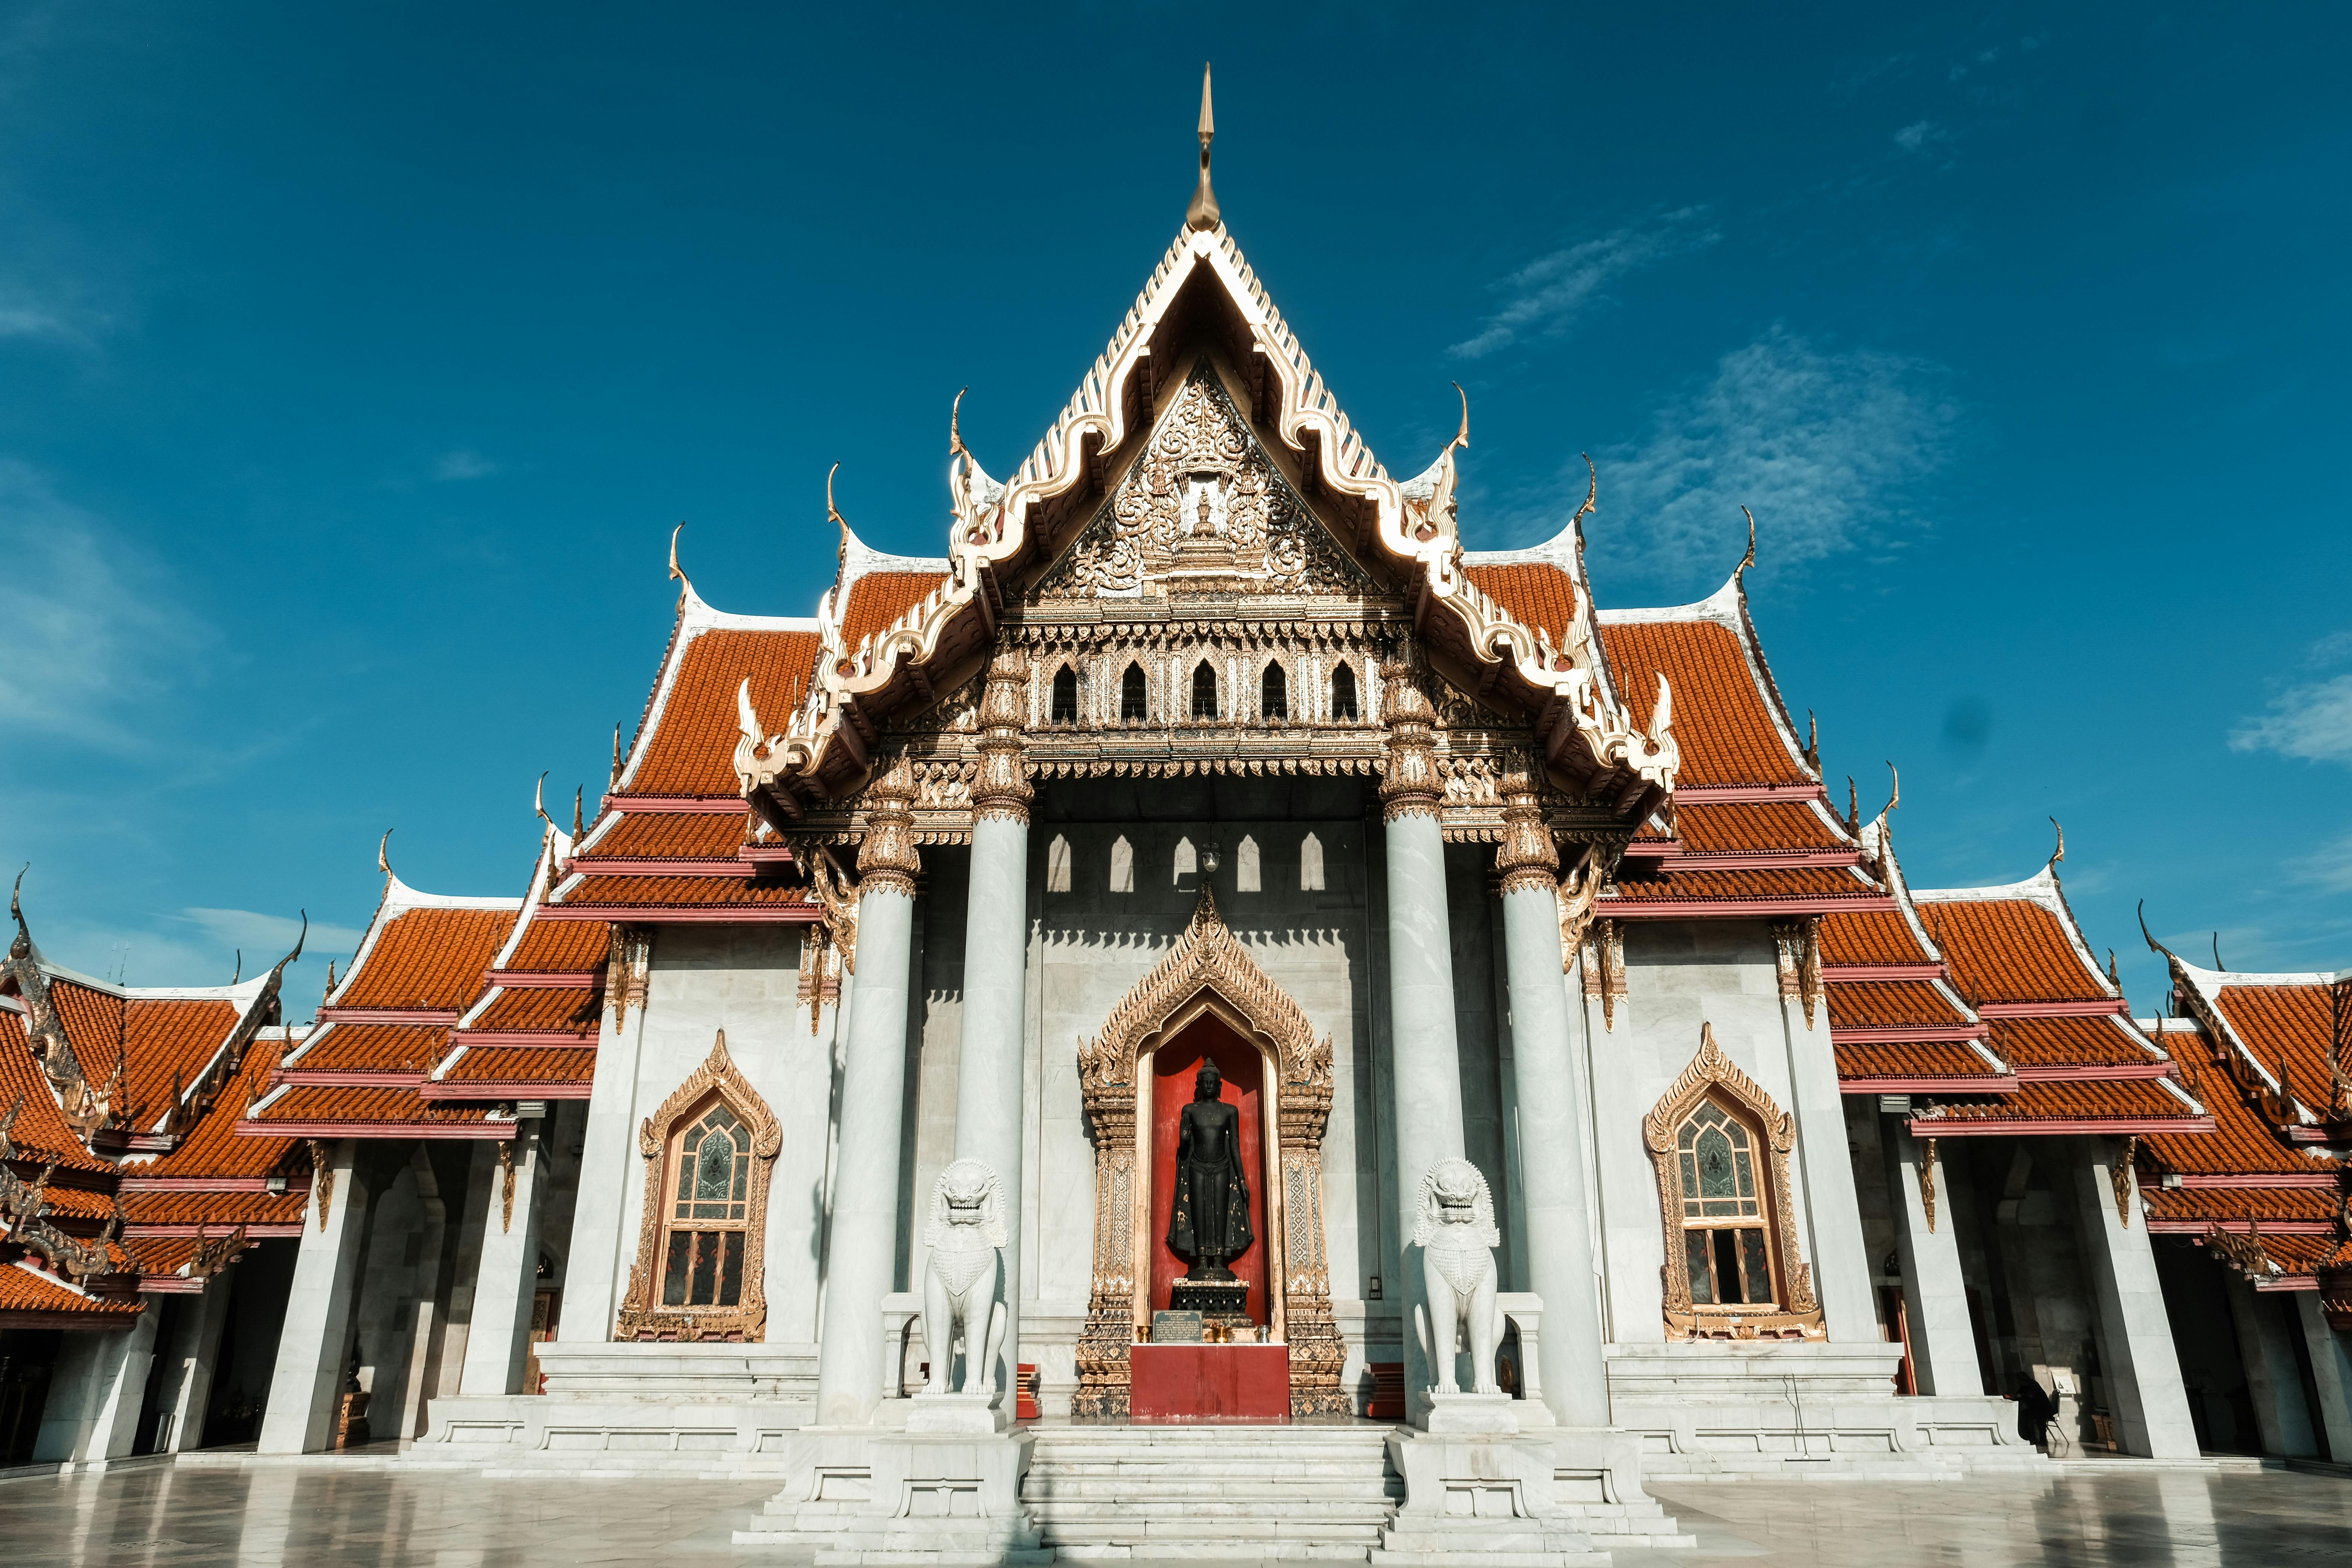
(1202, 212)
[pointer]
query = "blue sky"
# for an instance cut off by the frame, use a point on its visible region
(356, 360)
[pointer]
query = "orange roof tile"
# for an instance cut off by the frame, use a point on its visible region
(312, 1102)
(373, 1047)
(561, 947)
(1788, 882)
(1892, 1003)
(683, 892)
(672, 836)
(1539, 596)
(2242, 1142)
(165, 1038)
(878, 598)
(692, 751)
(518, 1064)
(32, 1299)
(2066, 1042)
(1870, 936)
(1762, 825)
(93, 1021)
(2127, 1099)
(1913, 1058)
(533, 1007)
(428, 957)
(212, 1147)
(1723, 720)
(2007, 950)
(2285, 1026)
(2306, 1204)
(217, 1211)
(40, 1132)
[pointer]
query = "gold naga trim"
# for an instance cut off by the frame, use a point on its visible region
(1712, 1073)
(25, 1205)
(1578, 893)
(1209, 973)
(641, 1317)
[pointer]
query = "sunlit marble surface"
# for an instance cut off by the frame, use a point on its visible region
(326, 1513)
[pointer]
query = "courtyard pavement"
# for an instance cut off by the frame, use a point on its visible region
(322, 1513)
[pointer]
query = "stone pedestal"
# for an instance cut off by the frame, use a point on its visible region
(946, 1490)
(1478, 1490)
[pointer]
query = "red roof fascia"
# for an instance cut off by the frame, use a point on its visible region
(2270, 1227)
(1748, 795)
(1701, 909)
(729, 805)
(195, 1183)
(1858, 973)
(1973, 1126)
(545, 978)
(1907, 1033)
(764, 855)
(1986, 1085)
(733, 914)
(258, 1232)
(2110, 1074)
(251, 1129)
(420, 1016)
(2277, 1179)
(2095, 1008)
(345, 1078)
(1684, 859)
(537, 1039)
(626, 866)
(504, 1088)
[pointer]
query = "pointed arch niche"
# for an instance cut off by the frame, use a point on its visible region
(692, 1205)
(1721, 1148)
(1208, 977)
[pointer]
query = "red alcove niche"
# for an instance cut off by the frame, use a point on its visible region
(1173, 1066)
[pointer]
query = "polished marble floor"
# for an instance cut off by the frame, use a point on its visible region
(319, 1514)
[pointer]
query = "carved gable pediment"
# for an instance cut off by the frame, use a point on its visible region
(1203, 510)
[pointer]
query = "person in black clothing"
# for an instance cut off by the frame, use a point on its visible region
(2035, 1411)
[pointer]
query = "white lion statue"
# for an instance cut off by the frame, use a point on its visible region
(959, 1285)
(1456, 1232)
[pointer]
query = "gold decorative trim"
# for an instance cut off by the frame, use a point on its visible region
(1001, 790)
(1410, 784)
(640, 1317)
(1208, 971)
(887, 857)
(1578, 893)
(2119, 1177)
(1712, 1072)
(629, 972)
(506, 1184)
(1928, 1182)
(1527, 860)
(322, 1178)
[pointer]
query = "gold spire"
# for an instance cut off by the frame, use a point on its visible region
(1203, 213)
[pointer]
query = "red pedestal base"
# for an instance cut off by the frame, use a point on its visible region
(1208, 1383)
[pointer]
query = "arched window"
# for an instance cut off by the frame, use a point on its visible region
(1273, 694)
(1724, 1243)
(1343, 692)
(710, 1202)
(1065, 696)
(1205, 690)
(1722, 1149)
(1134, 695)
(709, 1153)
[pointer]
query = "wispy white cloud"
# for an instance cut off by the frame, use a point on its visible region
(1916, 134)
(463, 464)
(2329, 867)
(2312, 721)
(1824, 443)
(90, 625)
(1545, 297)
(269, 935)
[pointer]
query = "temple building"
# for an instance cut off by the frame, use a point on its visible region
(1599, 1100)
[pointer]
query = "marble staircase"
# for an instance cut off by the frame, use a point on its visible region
(1228, 1493)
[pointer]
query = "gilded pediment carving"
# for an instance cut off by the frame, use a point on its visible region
(1203, 511)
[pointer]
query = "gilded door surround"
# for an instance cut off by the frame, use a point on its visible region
(642, 1316)
(1208, 974)
(1712, 1073)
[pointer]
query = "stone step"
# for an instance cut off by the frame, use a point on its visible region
(1059, 1488)
(1286, 1520)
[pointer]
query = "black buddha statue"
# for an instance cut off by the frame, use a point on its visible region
(1209, 1224)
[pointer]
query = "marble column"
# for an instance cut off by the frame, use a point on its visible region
(1553, 1120)
(2331, 1371)
(1927, 1239)
(92, 1412)
(506, 1280)
(193, 1354)
(861, 1250)
(2273, 1379)
(604, 1228)
(2141, 1369)
(1424, 1054)
(314, 1345)
(995, 954)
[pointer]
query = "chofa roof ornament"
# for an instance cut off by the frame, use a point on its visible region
(1202, 212)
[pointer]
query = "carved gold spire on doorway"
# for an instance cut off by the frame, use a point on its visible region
(1203, 213)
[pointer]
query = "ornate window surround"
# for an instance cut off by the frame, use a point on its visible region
(1208, 973)
(642, 1315)
(1797, 1314)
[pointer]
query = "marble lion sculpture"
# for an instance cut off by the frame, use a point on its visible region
(967, 1227)
(1456, 1232)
